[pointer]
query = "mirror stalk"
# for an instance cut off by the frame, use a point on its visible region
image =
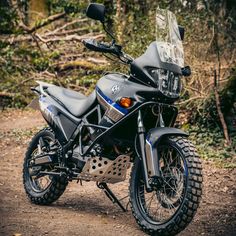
(109, 33)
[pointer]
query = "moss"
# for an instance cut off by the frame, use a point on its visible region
(40, 63)
(79, 64)
(210, 143)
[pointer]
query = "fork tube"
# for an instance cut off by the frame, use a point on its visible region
(141, 131)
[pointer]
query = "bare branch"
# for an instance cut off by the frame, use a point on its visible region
(43, 23)
(190, 100)
(11, 39)
(220, 113)
(64, 32)
(69, 24)
(69, 37)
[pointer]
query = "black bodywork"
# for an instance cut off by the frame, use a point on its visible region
(72, 115)
(66, 111)
(100, 122)
(142, 66)
(126, 119)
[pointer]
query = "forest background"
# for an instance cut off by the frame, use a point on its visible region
(41, 40)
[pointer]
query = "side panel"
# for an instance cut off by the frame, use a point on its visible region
(60, 120)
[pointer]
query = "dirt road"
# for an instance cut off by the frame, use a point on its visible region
(84, 210)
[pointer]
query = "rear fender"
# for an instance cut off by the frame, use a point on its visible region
(34, 104)
(39, 90)
(153, 138)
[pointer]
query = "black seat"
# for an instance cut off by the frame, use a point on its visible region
(76, 103)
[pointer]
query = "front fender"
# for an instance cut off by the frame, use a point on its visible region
(153, 138)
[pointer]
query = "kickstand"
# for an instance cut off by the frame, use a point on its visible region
(110, 195)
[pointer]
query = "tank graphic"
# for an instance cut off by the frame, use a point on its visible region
(109, 90)
(113, 110)
(112, 87)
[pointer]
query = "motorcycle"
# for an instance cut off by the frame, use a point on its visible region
(128, 120)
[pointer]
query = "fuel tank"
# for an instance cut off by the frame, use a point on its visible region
(112, 87)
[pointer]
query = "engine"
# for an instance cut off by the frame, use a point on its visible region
(103, 165)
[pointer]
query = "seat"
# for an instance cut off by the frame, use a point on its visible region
(76, 103)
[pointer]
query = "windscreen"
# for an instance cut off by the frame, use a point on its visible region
(168, 41)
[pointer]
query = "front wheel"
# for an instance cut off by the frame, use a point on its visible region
(170, 208)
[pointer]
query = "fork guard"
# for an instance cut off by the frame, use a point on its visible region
(153, 138)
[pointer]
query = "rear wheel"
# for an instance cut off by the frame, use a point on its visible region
(170, 208)
(45, 189)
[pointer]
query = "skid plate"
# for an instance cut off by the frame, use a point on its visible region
(105, 170)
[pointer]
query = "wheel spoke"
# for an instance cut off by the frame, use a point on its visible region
(170, 186)
(42, 182)
(160, 214)
(158, 207)
(166, 199)
(149, 204)
(164, 203)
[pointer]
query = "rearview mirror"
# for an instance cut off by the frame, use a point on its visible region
(96, 11)
(181, 32)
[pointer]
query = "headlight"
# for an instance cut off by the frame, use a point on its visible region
(167, 82)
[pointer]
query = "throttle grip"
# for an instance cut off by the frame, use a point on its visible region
(94, 45)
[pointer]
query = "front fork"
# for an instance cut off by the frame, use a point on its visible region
(148, 157)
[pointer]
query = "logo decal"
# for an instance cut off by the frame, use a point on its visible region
(115, 89)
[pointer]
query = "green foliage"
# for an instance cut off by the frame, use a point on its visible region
(8, 18)
(55, 55)
(40, 63)
(138, 35)
(207, 114)
(70, 7)
(135, 30)
(210, 142)
(228, 95)
(205, 128)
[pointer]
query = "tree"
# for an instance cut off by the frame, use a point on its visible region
(37, 10)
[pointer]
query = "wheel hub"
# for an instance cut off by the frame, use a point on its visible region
(156, 182)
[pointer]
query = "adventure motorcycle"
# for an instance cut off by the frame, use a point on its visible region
(128, 120)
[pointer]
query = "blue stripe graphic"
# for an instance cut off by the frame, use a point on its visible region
(114, 104)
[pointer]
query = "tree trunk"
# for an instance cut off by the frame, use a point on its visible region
(220, 113)
(37, 11)
(143, 6)
(118, 18)
(109, 10)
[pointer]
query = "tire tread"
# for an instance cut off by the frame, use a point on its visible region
(193, 194)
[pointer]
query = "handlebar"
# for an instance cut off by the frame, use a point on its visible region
(114, 49)
(96, 46)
